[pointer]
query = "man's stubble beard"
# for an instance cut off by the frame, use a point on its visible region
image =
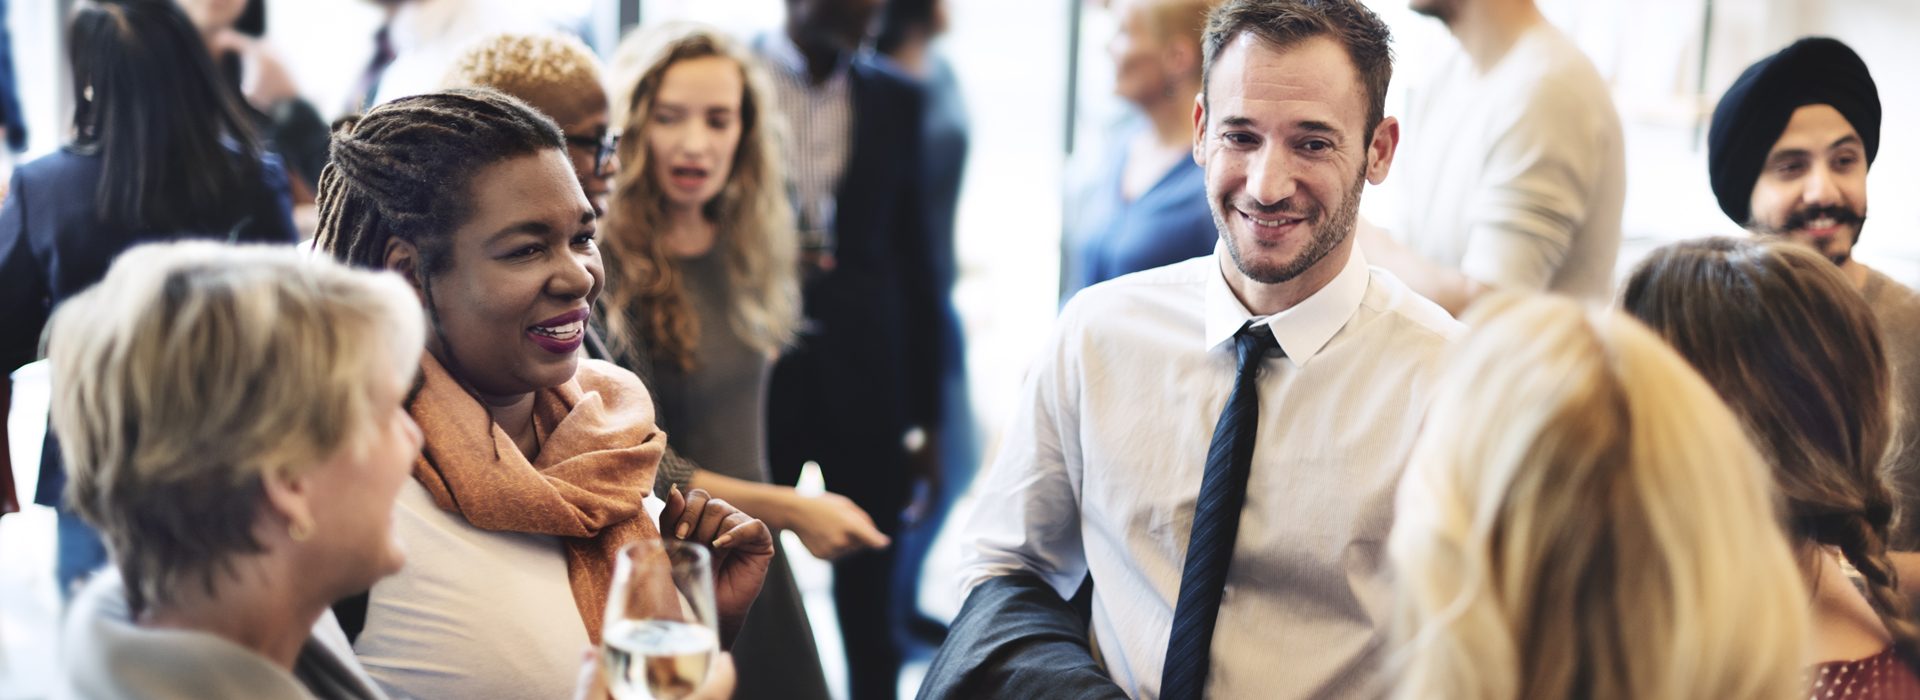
(1328, 233)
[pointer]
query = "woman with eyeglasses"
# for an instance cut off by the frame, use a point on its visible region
(702, 296)
(560, 77)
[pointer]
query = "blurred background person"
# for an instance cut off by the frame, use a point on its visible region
(860, 392)
(536, 463)
(703, 295)
(235, 424)
(422, 39)
(1793, 349)
(160, 151)
(1789, 152)
(906, 43)
(251, 66)
(1514, 163)
(1145, 204)
(1583, 518)
(560, 77)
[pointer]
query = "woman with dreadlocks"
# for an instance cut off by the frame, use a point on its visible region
(1792, 348)
(536, 462)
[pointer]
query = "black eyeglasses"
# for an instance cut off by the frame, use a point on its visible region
(602, 149)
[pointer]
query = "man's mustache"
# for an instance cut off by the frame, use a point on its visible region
(1287, 207)
(1841, 215)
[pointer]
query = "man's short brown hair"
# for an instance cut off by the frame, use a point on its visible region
(1282, 24)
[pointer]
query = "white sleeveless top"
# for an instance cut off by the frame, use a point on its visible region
(474, 614)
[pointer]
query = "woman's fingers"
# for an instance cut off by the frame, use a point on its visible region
(745, 534)
(676, 505)
(708, 526)
(697, 502)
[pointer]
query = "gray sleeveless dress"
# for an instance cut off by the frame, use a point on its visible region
(715, 418)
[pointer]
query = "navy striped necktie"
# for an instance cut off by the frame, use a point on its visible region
(1216, 523)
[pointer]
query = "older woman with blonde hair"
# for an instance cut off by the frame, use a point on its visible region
(233, 425)
(1794, 350)
(703, 295)
(1583, 518)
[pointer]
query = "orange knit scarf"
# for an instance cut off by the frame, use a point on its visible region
(598, 451)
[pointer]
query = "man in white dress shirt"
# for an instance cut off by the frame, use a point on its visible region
(1514, 173)
(1132, 430)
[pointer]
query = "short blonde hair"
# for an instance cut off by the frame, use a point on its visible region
(193, 371)
(526, 65)
(1583, 518)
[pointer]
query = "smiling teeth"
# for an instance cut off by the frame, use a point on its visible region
(1822, 222)
(566, 332)
(1270, 224)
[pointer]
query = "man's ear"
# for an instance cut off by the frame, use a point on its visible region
(404, 257)
(1200, 128)
(1380, 150)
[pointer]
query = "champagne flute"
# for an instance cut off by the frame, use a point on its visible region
(661, 631)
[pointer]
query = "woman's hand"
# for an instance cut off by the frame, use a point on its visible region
(742, 551)
(831, 526)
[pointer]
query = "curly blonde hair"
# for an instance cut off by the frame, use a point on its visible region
(647, 304)
(525, 64)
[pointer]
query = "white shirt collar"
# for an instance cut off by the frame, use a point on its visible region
(1302, 330)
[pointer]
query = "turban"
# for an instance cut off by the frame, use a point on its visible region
(1755, 111)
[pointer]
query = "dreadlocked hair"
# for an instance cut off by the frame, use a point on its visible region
(1794, 350)
(401, 171)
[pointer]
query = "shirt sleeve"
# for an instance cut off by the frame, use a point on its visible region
(1027, 512)
(1539, 176)
(23, 284)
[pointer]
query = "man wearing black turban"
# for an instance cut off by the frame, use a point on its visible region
(1788, 154)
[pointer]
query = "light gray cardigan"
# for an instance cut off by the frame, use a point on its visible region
(104, 656)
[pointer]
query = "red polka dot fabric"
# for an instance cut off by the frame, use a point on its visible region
(1882, 676)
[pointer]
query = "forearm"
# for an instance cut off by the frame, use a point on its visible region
(1451, 289)
(767, 502)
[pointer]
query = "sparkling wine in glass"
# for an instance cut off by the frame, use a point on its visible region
(660, 637)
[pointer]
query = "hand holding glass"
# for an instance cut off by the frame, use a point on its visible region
(661, 633)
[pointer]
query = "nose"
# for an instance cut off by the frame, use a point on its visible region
(1269, 180)
(697, 139)
(1821, 187)
(576, 277)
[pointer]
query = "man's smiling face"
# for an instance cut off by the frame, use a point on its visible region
(1284, 140)
(1813, 188)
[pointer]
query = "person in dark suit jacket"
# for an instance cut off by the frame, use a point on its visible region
(866, 371)
(161, 152)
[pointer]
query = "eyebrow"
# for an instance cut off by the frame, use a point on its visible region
(533, 228)
(1849, 139)
(1309, 125)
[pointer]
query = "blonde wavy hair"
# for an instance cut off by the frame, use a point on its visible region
(195, 370)
(1583, 518)
(647, 302)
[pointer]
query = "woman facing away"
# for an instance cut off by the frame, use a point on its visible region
(536, 462)
(232, 419)
(1583, 518)
(1793, 349)
(160, 151)
(703, 295)
(239, 433)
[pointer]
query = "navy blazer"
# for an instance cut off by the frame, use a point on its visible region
(872, 344)
(53, 245)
